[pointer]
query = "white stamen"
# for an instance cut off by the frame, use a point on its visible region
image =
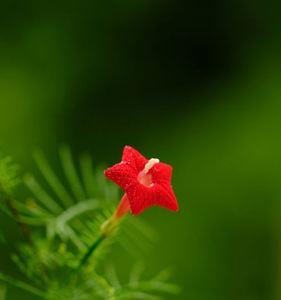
(150, 164)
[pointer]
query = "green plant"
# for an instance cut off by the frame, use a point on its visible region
(59, 221)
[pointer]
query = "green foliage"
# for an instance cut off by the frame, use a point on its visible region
(61, 221)
(110, 287)
(9, 179)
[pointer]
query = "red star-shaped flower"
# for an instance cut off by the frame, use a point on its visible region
(145, 182)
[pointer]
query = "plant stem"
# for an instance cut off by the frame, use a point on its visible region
(106, 230)
(90, 251)
(85, 258)
(22, 285)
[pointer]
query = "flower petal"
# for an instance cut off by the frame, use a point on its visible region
(164, 196)
(139, 198)
(142, 197)
(122, 174)
(161, 172)
(134, 158)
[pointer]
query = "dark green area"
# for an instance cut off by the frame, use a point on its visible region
(196, 84)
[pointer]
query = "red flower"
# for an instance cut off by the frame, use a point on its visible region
(145, 182)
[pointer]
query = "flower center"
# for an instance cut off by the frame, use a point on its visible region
(145, 178)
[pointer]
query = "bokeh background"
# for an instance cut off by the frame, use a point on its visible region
(195, 83)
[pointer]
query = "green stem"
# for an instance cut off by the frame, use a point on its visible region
(85, 258)
(90, 251)
(106, 230)
(22, 285)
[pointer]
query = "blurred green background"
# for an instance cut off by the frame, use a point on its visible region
(196, 84)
